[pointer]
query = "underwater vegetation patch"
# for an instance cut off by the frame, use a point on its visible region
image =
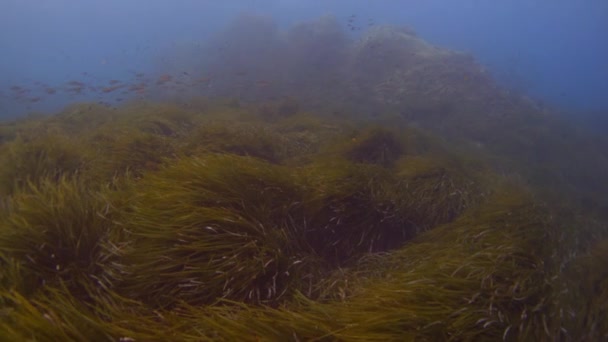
(239, 139)
(433, 191)
(475, 278)
(217, 226)
(479, 277)
(55, 232)
(590, 293)
(128, 152)
(349, 211)
(44, 157)
(162, 223)
(207, 219)
(378, 146)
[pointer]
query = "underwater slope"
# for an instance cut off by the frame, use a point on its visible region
(391, 70)
(395, 194)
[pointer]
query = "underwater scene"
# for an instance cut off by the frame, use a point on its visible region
(292, 170)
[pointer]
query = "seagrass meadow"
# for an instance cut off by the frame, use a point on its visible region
(224, 221)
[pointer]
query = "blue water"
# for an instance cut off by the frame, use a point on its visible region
(555, 51)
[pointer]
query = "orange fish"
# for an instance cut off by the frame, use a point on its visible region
(110, 89)
(138, 88)
(164, 79)
(203, 80)
(75, 90)
(76, 83)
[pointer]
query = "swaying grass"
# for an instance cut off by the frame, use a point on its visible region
(168, 230)
(349, 212)
(481, 276)
(55, 231)
(589, 280)
(433, 191)
(215, 227)
(244, 139)
(128, 152)
(44, 157)
(57, 316)
(377, 146)
(223, 226)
